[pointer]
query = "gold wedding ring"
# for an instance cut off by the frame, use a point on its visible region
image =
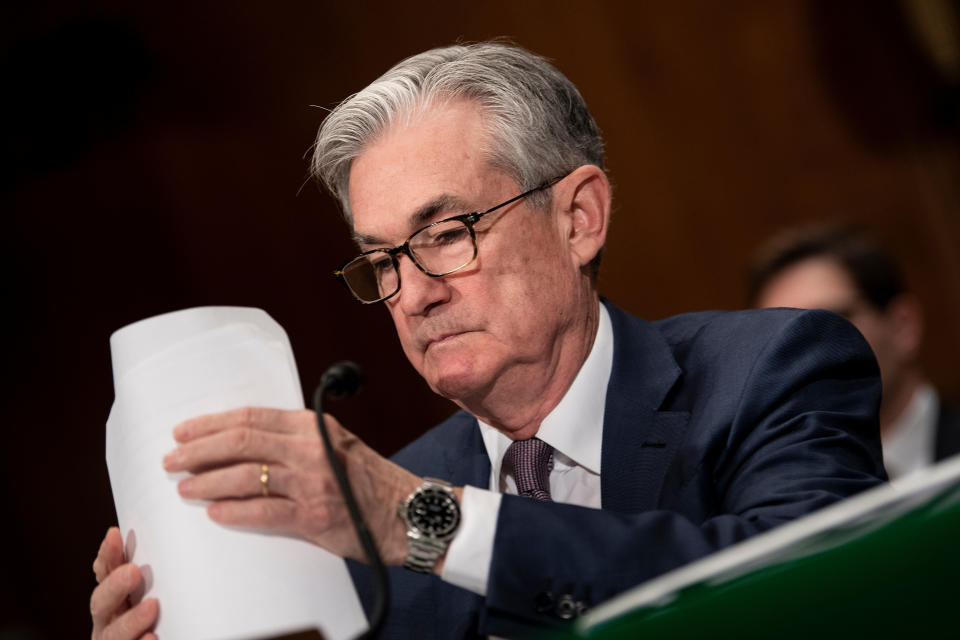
(264, 480)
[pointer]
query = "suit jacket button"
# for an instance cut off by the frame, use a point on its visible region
(567, 607)
(544, 602)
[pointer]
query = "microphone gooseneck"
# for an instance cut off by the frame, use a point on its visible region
(343, 380)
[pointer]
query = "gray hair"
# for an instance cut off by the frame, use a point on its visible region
(538, 125)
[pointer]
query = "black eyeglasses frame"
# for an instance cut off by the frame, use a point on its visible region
(468, 220)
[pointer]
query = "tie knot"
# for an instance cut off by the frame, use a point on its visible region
(531, 461)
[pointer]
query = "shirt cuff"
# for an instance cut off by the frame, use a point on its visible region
(467, 563)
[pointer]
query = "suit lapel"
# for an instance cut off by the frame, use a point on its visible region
(639, 440)
(467, 461)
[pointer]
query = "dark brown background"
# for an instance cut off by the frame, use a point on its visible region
(153, 161)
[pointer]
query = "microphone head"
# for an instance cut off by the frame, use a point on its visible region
(341, 380)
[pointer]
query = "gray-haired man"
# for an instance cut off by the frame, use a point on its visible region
(642, 445)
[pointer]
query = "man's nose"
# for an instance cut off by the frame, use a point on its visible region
(418, 291)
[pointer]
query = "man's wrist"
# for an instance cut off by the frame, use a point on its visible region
(431, 515)
(395, 548)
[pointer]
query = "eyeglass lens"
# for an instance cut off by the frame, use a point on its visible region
(437, 250)
(372, 276)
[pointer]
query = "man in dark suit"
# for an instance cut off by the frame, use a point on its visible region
(840, 267)
(703, 445)
(594, 450)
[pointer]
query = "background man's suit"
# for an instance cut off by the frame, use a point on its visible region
(717, 426)
(948, 431)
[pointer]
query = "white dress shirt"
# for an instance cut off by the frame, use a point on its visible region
(910, 444)
(574, 428)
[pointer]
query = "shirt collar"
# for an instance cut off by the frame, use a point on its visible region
(575, 426)
(909, 445)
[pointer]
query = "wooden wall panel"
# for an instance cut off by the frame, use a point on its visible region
(155, 163)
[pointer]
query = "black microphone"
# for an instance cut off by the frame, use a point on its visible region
(343, 380)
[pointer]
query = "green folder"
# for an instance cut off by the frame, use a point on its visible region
(883, 564)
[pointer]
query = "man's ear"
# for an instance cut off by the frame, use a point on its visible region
(585, 203)
(906, 318)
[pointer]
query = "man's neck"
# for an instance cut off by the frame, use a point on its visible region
(522, 397)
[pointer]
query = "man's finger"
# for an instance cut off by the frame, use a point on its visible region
(247, 480)
(272, 513)
(110, 555)
(227, 447)
(133, 624)
(110, 596)
(264, 419)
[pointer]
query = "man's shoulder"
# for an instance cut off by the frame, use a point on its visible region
(747, 323)
(743, 329)
(730, 343)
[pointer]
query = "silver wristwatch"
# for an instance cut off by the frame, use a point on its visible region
(432, 516)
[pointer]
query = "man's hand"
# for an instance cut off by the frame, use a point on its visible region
(226, 451)
(113, 617)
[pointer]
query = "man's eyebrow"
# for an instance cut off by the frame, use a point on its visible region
(420, 217)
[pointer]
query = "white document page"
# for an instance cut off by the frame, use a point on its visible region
(212, 582)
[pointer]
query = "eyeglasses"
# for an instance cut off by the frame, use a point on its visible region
(438, 249)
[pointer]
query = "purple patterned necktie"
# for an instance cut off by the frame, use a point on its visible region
(531, 461)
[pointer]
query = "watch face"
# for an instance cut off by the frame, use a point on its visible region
(434, 512)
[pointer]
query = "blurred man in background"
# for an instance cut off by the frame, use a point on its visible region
(841, 268)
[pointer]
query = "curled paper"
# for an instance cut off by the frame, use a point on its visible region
(213, 582)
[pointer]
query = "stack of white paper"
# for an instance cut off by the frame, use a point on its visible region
(213, 582)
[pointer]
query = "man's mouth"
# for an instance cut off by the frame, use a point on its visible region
(444, 338)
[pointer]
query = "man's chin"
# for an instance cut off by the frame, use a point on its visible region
(455, 387)
(456, 382)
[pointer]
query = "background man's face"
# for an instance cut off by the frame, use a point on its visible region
(822, 283)
(499, 319)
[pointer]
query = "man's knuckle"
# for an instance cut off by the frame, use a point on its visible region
(321, 514)
(306, 421)
(265, 510)
(303, 453)
(328, 485)
(249, 417)
(242, 441)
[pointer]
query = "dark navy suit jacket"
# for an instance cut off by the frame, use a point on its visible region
(717, 426)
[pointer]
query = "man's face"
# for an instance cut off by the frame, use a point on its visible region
(822, 283)
(499, 320)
